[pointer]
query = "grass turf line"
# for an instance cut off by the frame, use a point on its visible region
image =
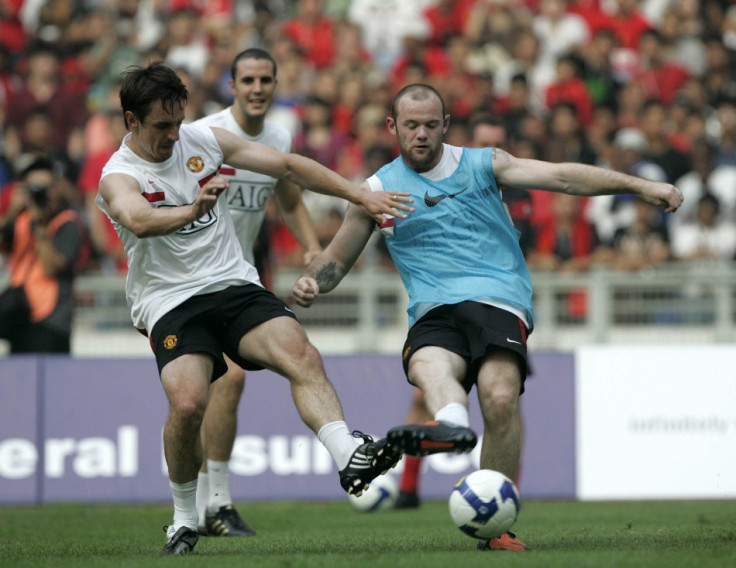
(331, 535)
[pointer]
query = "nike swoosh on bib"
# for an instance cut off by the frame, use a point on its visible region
(432, 200)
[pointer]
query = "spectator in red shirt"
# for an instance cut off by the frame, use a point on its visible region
(107, 247)
(568, 87)
(566, 243)
(12, 34)
(312, 32)
(447, 18)
(628, 23)
(661, 78)
(433, 62)
(590, 10)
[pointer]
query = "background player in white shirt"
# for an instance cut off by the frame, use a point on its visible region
(253, 82)
(191, 290)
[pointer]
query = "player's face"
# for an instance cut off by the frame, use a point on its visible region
(153, 138)
(489, 136)
(420, 129)
(253, 87)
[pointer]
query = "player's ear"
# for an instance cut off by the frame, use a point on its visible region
(131, 119)
(446, 124)
(391, 124)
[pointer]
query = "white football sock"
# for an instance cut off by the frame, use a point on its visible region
(185, 504)
(454, 413)
(338, 440)
(219, 480)
(203, 491)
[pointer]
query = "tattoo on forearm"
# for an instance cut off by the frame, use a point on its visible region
(326, 275)
(501, 155)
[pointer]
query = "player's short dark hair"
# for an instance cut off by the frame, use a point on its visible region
(417, 91)
(143, 86)
(252, 53)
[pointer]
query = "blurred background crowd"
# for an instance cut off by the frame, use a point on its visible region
(647, 87)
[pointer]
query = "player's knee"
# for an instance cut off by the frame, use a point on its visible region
(303, 362)
(500, 404)
(420, 374)
(303, 352)
(188, 409)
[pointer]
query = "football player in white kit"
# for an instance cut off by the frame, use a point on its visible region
(252, 83)
(192, 292)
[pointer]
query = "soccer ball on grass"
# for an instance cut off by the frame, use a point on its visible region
(381, 494)
(484, 504)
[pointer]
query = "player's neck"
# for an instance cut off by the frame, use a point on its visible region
(251, 125)
(136, 148)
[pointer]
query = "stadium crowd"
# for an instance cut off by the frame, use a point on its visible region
(646, 87)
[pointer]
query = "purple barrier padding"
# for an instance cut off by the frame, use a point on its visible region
(104, 423)
(548, 412)
(104, 419)
(19, 392)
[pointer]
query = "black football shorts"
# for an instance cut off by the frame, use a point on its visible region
(472, 330)
(214, 324)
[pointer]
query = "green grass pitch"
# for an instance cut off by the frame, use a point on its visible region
(698, 534)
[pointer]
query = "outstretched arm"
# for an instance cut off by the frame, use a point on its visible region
(580, 179)
(303, 171)
(327, 270)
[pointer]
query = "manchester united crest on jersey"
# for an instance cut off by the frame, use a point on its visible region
(195, 164)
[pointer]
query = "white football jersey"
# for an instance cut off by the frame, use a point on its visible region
(199, 258)
(248, 191)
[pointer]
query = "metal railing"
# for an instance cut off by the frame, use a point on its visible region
(677, 303)
(687, 303)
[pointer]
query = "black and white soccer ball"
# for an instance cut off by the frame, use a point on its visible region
(484, 504)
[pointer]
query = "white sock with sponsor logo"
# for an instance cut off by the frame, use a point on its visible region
(338, 440)
(203, 492)
(219, 494)
(454, 413)
(185, 504)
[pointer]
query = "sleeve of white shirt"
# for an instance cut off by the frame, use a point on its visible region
(375, 183)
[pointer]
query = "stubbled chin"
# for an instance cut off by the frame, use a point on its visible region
(422, 155)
